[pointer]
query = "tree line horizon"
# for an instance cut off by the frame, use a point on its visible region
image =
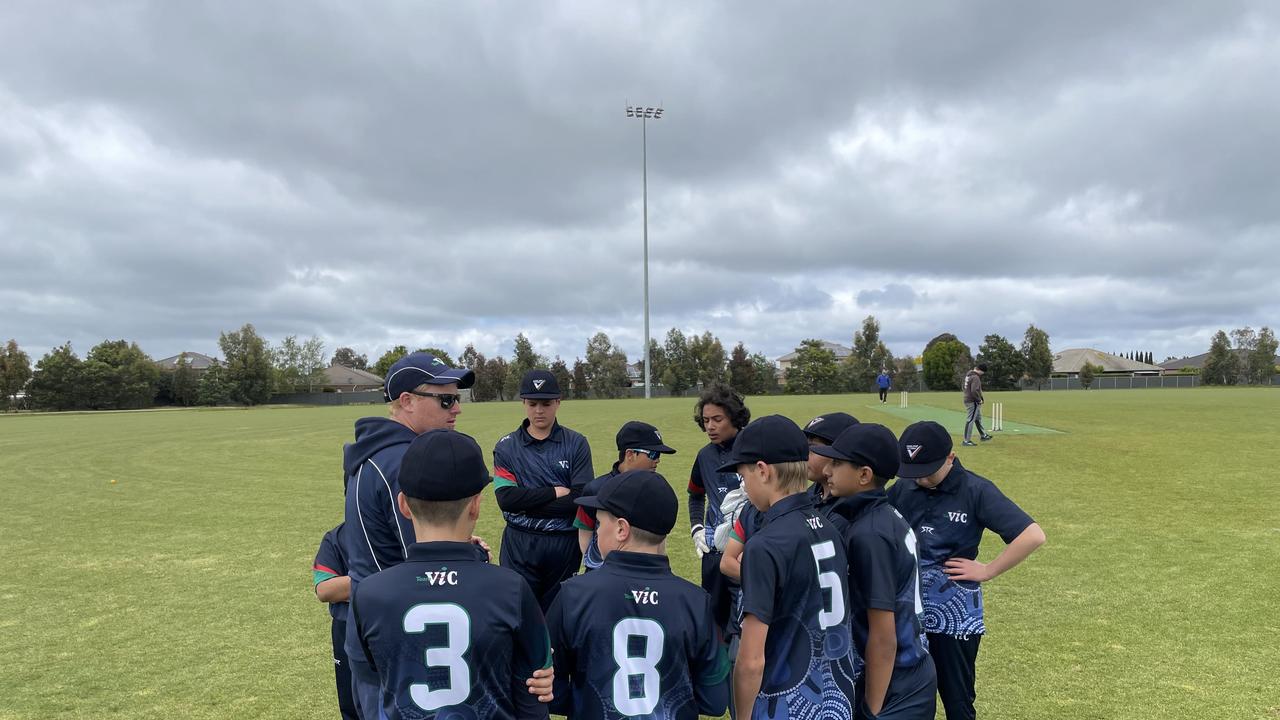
(118, 374)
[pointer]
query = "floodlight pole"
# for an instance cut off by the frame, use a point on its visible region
(644, 114)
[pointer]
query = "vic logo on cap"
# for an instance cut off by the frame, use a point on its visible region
(914, 450)
(537, 384)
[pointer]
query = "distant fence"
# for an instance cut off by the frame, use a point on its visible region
(323, 398)
(1137, 382)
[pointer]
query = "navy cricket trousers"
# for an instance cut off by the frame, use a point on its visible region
(955, 659)
(543, 559)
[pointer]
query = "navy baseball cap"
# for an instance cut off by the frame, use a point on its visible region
(636, 435)
(443, 465)
(419, 368)
(539, 384)
(641, 497)
(773, 439)
(923, 448)
(866, 444)
(828, 427)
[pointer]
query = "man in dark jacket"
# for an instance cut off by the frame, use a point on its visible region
(973, 404)
(423, 395)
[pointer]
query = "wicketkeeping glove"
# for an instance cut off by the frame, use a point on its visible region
(700, 541)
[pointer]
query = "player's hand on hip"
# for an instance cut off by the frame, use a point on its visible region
(700, 545)
(540, 684)
(561, 491)
(477, 540)
(965, 569)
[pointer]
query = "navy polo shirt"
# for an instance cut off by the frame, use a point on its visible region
(586, 520)
(633, 640)
(329, 564)
(883, 574)
(706, 479)
(948, 521)
(446, 630)
(793, 579)
(563, 459)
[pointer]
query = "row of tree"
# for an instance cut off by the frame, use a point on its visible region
(118, 375)
(1252, 360)
(944, 362)
(678, 364)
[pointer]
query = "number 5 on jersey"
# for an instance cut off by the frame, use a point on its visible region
(833, 610)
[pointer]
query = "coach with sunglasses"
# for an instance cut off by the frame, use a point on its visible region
(423, 395)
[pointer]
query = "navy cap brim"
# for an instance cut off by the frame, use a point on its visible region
(829, 451)
(665, 450)
(464, 377)
(539, 396)
(591, 501)
(913, 471)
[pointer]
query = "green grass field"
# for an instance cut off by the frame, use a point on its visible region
(183, 590)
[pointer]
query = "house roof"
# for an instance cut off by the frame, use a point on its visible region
(1197, 361)
(1073, 359)
(337, 374)
(841, 352)
(197, 361)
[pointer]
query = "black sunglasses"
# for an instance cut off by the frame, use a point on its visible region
(447, 400)
(653, 454)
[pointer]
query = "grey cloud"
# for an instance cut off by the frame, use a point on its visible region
(459, 173)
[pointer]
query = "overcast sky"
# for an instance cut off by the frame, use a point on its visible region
(432, 173)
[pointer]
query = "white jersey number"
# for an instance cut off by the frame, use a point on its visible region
(629, 665)
(458, 625)
(834, 614)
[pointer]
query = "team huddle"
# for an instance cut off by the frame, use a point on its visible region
(823, 594)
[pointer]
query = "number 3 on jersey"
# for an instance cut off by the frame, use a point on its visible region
(832, 614)
(629, 666)
(458, 627)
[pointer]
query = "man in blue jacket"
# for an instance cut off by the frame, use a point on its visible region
(423, 395)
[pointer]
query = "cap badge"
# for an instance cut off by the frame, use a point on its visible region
(537, 384)
(914, 450)
(814, 421)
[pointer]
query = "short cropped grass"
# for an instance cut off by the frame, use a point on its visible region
(183, 590)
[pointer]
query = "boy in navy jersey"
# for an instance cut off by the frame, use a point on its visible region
(949, 507)
(898, 680)
(820, 431)
(631, 638)
(720, 413)
(446, 634)
(795, 658)
(329, 576)
(640, 447)
(539, 470)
